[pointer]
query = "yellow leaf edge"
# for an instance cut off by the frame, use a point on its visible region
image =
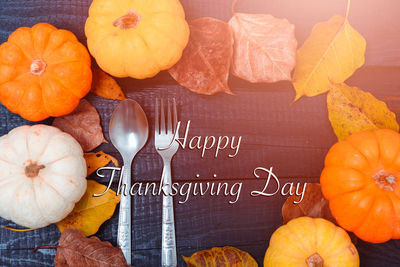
(300, 91)
(63, 224)
(340, 134)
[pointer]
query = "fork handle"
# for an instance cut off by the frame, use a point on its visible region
(124, 221)
(168, 241)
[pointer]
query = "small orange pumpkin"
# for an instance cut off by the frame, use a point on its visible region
(43, 72)
(361, 181)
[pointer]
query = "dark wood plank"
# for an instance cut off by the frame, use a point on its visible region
(291, 137)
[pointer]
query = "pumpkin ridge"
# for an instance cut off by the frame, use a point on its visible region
(364, 217)
(63, 85)
(302, 245)
(9, 163)
(50, 186)
(63, 175)
(393, 212)
(148, 49)
(56, 160)
(331, 255)
(397, 152)
(359, 152)
(43, 218)
(46, 53)
(23, 52)
(366, 184)
(45, 146)
(363, 222)
(178, 14)
(46, 41)
(44, 102)
(166, 35)
(19, 103)
(3, 180)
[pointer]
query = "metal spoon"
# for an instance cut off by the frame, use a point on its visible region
(128, 131)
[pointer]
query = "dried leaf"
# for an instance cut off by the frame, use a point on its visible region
(313, 205)
(90, 212)
(76, 250)
(221, 256)
(105, 86)
(204, 66)
(332, 53)
(83, 124)
(97, 160)
(264, 49)
(352, 110)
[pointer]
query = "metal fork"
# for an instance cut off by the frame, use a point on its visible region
(167, 147)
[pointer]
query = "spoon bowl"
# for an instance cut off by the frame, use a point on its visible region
(128, 131)
(129, 128)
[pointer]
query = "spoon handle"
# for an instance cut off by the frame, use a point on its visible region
(124, 222)
(168, 242)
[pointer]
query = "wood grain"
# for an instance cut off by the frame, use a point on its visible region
(291, 137)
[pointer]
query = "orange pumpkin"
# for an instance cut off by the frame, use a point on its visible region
(361, 182)
(43, 72)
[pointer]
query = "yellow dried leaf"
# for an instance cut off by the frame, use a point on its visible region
(105, 86)
(352, 110)
(91, 212)
(332, 53)
(97, 160)
(221, 256)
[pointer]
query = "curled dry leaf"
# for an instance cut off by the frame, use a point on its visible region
(332, 53)
(221, 256)
(204, 66)
(76, 250)
(352, 110)
(83, 124)
(313, 205)
(91, 212)
(264, 49)
(97, 160)
(105, 86)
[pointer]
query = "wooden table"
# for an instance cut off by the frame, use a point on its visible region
(293, 138)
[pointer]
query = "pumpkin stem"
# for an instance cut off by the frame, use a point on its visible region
(385, 180)
(32, 170)
(128, 21)
(38, 66)
(315, 260)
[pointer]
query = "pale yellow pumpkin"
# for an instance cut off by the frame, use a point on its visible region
(308, 242)
(42, 175)
(136, 38)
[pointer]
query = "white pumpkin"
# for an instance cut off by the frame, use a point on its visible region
(42, 175)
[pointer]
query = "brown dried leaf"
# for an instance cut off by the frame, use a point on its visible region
(105, 86)
(313, 205)
(83, 124)
(220, 256)
(76, 250)
(97, 160)
(264, 49)
(204, 66)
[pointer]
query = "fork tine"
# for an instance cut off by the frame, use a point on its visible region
(157, 123)
(169, 119)
(175, 114)
(162, 118)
